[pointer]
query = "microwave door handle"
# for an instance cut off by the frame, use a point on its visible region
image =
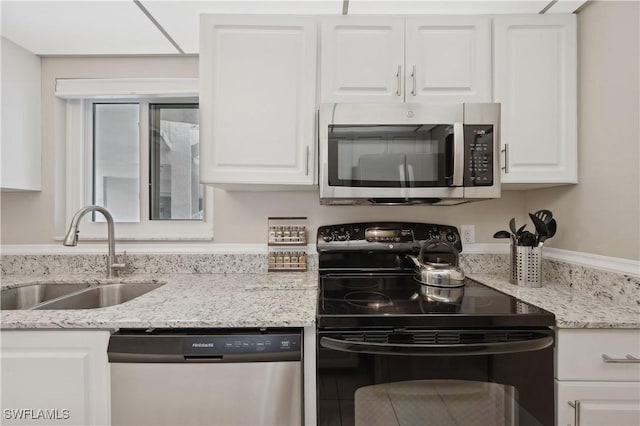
(412, 179)
(402, 174)
(458, 154)
(437, 350)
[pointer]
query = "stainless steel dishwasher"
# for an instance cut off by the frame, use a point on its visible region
(206, 377)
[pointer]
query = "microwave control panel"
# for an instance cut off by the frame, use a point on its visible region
(478, 154)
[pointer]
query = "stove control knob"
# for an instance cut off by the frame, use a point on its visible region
(327, 238)
(343, 237)
(451, 237)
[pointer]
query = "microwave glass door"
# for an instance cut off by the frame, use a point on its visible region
(390, 156)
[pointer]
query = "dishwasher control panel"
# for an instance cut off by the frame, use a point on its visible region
(196, 345)
(240, 344)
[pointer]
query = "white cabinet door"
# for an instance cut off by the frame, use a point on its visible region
(535, 79)
(598, 403)
(257, 99)
(362, 59)
(56, 377)
(448, 59)
(21, 158)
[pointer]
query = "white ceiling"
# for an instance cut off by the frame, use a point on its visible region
(81, 28)
(113, 27)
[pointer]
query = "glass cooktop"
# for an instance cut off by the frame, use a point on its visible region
(395, 300)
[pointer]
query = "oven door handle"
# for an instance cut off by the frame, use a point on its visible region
(437, 350)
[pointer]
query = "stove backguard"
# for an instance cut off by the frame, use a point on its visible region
(382, 246)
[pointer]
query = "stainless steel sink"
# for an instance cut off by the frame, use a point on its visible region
(28, 296)
(100, 296)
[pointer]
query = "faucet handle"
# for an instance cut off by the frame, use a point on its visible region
(123, 266)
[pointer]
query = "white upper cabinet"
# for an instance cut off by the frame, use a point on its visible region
(448, 59)
(258, 81)
(535, 79)
(21, 119)
(362, 59)
(413, 59)
(257, 99)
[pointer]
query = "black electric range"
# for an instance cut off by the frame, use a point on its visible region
(366, 279)
(388, 354)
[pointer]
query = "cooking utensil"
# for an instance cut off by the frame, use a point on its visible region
(503, 234)
(541, 227)
(544, 215)
(436, 273)
(520, 230)
(527, 239)
(552, 226)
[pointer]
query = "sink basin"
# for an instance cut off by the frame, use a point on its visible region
(28, 296)
(101, 296)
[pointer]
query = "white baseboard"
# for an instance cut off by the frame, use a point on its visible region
(485, 248)
(149, 248)
(612, 264)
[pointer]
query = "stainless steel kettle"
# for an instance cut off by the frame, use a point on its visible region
(436, 273)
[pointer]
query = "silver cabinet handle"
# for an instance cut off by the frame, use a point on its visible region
(398, 79)
(506, 158)
(629, 359)
(306, 167)
(576, 406)
(413, 77)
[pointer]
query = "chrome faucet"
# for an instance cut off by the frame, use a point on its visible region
(71, 239)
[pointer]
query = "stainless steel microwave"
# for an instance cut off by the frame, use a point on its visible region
(439, 154)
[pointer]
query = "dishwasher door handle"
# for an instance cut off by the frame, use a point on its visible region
(124, 357)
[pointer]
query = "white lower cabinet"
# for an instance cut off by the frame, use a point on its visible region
(55, 377)
(598, 377)
(598, 403)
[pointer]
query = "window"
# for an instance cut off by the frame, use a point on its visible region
(176, 192)
(136, 154)
(116, 160)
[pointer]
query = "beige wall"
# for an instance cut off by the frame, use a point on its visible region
(601, 214)
(608, 135)
(242, 216)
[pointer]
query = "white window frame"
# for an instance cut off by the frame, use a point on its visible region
(80, 94)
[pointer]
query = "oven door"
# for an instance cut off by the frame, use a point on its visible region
(444, 377)
(373, 151)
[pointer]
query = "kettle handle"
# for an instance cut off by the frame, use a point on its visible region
(415, 260)
(434, 242)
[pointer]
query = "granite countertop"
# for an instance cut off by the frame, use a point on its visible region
(275, 300)
(573, 308)
(186, 300)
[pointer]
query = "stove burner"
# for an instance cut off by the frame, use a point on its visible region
(360, 285)
(368, 299)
